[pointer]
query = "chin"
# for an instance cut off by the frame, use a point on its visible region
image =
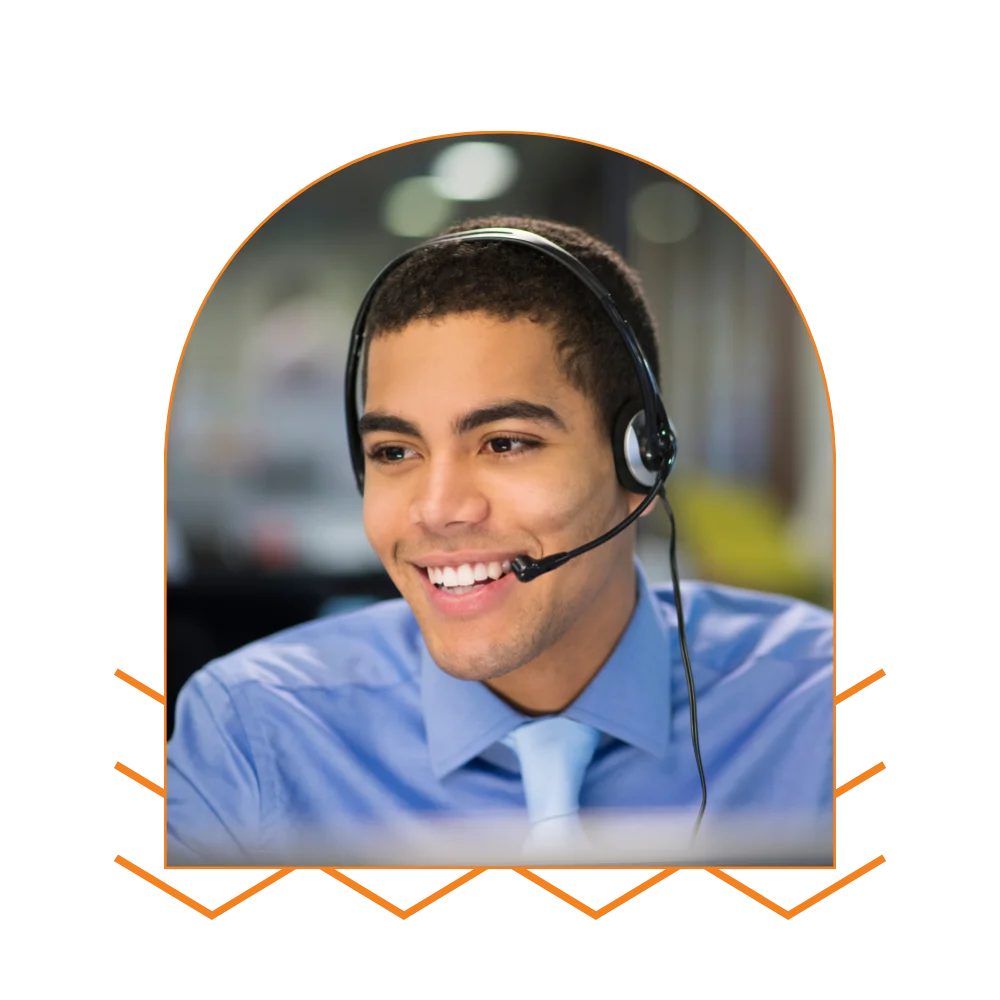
(476, 661)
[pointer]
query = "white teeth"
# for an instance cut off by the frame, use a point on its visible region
(466, 575)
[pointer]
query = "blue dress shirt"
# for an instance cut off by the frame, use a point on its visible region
(283, 750)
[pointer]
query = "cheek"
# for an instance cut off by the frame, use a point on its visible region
(380, 517)
(544, 510)
(561, 503)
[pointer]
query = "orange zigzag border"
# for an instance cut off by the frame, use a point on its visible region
(596, 914)
(525, 872)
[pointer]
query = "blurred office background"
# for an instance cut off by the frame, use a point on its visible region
(264, 521)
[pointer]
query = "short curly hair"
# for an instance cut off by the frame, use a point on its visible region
(509, 281)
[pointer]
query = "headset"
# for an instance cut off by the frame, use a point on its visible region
(644, 442)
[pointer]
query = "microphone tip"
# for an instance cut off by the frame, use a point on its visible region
(523, 568)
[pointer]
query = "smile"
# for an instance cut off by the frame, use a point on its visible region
(467, 588)
(466, 577)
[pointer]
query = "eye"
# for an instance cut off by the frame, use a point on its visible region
(390, 454)
(509, 444)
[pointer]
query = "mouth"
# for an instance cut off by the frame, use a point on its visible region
(468, 587)
(465, 578)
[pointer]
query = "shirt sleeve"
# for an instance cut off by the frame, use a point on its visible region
(213, 786)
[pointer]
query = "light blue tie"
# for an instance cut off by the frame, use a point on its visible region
(554, 754)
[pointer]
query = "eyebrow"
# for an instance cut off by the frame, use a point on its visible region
(511, 409)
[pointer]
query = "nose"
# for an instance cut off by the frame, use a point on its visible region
(448, 499)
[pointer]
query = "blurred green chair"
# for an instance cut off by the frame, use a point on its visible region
(737, 533)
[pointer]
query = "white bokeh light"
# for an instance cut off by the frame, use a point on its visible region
(474, 171)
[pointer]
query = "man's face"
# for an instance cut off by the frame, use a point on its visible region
(478, 449)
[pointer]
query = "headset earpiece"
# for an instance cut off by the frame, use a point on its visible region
(636, 473)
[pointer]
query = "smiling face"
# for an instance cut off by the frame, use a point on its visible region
(478, 449)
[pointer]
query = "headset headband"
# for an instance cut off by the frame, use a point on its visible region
(657, 449)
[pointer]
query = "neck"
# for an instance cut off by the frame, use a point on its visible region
(554, 680)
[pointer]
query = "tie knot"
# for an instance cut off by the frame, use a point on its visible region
(554, 754)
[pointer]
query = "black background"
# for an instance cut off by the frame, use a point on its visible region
(180, 217)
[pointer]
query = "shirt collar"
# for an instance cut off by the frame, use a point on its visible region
(629, 698)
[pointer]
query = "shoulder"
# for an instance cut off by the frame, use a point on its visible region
(755, 646)
(375, 647)
(735, 622)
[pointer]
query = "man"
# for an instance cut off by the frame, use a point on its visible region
(480, 718)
